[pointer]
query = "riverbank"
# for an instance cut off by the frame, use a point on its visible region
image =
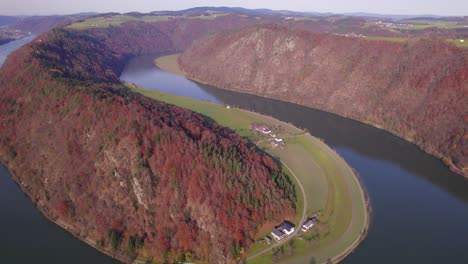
(331, 186)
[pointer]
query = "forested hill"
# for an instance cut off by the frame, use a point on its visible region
(415, 89)
(137, 176)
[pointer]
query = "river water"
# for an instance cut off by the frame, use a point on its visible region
(420, 208)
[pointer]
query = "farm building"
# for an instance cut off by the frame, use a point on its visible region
(277, 234)
(287, 228)
(308, 224)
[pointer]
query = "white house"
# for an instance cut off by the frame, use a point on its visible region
(278, 140)
(287, 228)
(277, 234)
(308, 224)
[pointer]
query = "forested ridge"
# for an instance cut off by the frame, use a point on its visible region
(138, 176)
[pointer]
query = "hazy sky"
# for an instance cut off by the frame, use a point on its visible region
(415, 7)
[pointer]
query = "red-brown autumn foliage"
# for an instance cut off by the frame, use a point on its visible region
(121, 167)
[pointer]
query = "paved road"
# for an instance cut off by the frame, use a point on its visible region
(298, 226)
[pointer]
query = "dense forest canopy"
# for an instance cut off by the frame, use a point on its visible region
(135, 175)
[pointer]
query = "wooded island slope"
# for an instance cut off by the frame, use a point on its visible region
(136, 176)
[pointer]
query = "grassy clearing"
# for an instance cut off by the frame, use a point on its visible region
(117, 20)
(423, 24)
(331, 187)
(393, 39)
(458, 43)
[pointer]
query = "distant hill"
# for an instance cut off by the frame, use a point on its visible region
(269, 12)
(414, 89)
(39, 24)
(391, 16)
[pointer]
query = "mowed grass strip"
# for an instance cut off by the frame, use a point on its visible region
(393, 39)
(462, 43)
(237, 120)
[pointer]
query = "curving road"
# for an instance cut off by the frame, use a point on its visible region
(298, 226)
(353, 245)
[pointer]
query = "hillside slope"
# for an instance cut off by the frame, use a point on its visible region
(137, 176)
(417, 90)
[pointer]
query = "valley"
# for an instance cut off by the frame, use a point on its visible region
(151, 165)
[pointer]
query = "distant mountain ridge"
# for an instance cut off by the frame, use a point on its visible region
(270, 12)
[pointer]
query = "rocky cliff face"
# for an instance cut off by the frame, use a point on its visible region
(137, 176)
(417, 89)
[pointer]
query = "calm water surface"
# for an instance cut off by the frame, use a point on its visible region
(420, 208)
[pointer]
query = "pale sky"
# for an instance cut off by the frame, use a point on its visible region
(413, 7)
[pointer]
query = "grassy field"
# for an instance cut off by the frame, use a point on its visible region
(423, 24)
(331, 187)
(457, 42)
(117, 20)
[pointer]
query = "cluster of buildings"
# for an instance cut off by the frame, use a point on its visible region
(265, 130)
(393, 25)
(287, 228)
(350, 35)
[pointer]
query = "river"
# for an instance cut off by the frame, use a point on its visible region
(420, 208)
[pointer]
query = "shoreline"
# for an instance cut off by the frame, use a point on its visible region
(175, 69)
(447, 162)
(40, 206)
(43, 210)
